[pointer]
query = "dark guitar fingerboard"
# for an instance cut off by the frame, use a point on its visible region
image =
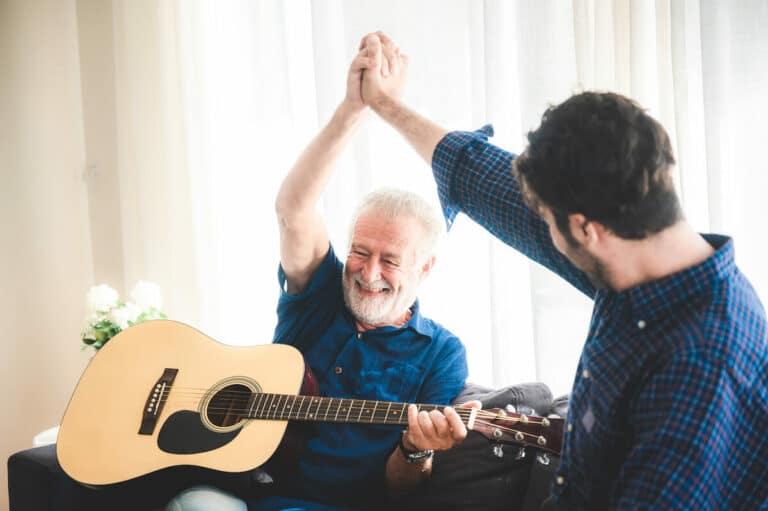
(329, 409)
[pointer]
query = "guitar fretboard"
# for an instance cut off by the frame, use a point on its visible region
(330, 409)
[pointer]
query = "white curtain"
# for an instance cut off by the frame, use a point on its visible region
(215, 99)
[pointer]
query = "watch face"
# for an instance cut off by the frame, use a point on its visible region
(418, 456)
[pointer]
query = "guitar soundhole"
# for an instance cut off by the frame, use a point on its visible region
(229, 405)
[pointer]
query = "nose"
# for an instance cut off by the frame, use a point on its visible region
(371, 271)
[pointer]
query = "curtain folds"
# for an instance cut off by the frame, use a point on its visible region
(214, 101)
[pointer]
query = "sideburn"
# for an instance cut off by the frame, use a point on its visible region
(564, 226)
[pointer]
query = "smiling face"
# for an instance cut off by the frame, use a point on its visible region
(384, 268)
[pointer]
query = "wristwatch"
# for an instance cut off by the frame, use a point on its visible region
(414, 456)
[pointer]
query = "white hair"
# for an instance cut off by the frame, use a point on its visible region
(394, 203)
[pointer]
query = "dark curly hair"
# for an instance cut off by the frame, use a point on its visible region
(601, 155)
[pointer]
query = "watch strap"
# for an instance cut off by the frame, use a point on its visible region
(414, 456)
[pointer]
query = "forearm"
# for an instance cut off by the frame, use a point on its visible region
(403, 477)
(421, 133)
(303, 236)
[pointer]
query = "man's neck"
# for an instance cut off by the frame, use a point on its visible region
(674, 249)
(399, 323)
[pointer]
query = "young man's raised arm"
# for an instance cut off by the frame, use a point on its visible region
(382, 94)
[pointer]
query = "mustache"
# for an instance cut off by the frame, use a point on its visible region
(377, 285)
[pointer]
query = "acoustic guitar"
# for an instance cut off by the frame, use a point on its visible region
(162, 394)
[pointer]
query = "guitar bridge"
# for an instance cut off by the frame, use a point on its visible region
(156, 401)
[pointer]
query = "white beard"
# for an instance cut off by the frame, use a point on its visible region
(371, 310)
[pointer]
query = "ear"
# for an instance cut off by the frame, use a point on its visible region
(587, 232)
(426, 268)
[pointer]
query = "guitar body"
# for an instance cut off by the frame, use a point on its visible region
(162, 394)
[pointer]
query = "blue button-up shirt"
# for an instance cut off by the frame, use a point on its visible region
(669, 408)
(422, 362)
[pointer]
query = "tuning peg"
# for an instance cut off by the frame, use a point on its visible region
(520, 454)
(511, 408)
(543, 458)
(498, 450)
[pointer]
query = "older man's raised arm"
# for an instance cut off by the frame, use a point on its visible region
(303, 236)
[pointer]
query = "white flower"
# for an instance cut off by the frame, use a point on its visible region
(101, 298)
(147, 295)
(122, 315)
(107, 315)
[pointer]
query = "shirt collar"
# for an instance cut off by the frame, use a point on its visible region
(653, 299)
(418, 323)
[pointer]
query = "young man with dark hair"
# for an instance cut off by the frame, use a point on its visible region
(669, 406)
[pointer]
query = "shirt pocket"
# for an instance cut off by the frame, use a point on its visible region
(391, 381)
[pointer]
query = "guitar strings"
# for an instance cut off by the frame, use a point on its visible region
(349, 410)
(355, 405)
(481, 418)
(193, 393)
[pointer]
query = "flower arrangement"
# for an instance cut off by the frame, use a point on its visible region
(108, 315)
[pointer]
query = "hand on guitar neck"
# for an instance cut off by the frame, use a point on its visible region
(435, 430)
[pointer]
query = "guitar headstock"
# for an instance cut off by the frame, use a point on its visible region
(545, 433)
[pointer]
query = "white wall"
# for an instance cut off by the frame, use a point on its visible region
(46, 254)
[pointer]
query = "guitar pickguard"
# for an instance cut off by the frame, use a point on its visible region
(184, 433)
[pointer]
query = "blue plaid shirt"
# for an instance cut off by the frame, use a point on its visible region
(669, 407)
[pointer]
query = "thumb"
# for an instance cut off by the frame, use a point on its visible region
(374, 50)
(472, 404)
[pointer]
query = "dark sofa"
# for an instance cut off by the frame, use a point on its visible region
(477, 474)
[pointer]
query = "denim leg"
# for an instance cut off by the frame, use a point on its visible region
(290, 504)
(205, 498)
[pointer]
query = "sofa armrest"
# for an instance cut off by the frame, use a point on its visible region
(36, 482)
(34, 477)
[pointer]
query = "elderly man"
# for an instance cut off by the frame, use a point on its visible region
(361, 331)
(669, 408)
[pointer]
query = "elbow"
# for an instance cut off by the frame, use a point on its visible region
(285, 208)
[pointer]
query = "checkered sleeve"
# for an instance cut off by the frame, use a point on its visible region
(475, 177)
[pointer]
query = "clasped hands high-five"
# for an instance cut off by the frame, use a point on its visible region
(376, 79)
(377, 73)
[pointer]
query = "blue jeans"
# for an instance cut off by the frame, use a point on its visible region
(207, 498)
(203, 498)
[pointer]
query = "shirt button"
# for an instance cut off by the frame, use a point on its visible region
(641, 324)
(359, 335)
(570, 427)
(560, 480)
(585, 374)
(338, 370)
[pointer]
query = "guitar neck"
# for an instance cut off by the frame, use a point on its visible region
(495, 424)
(330, 409)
